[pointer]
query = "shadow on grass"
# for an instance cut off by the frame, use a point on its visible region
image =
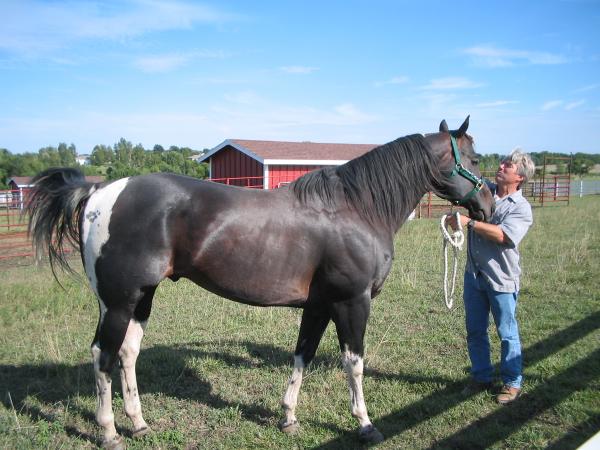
(160, 369)
(164, 370)
(499, 425)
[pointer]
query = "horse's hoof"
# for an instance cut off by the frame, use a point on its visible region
(115, 443)
(289, 427)
(370, 435)
(141, 432)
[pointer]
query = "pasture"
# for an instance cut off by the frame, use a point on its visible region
(212, 372)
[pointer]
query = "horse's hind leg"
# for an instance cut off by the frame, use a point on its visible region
(312, 327)
(351, 321)
(110, 334)
(118, 339)
(130, 349)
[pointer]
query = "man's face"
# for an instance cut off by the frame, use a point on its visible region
(507, 174)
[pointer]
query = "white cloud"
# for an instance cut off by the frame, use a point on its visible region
(169, 62)
(350, 113)
(587, 88)
(243, 98)
(273, 117)
(573, 105)
(298, 69)
(164, 63)
(490, 56)
(496, 103)
(552, 104)
(451, 83)
(32, 27)
(394, 80)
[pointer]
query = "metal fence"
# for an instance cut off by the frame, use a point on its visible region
(580, 188)
(13, 226)
(14, 242)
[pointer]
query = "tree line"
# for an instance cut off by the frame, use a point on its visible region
(123, 159)
(581, 163)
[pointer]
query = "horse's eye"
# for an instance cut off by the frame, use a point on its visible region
(475, 162)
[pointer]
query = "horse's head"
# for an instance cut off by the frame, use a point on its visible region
(461, 181)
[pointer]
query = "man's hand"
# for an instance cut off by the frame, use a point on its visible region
(451, 220)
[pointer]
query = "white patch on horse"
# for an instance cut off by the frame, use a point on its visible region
(290, 399)
(96, 218)
(130, 349)
(353, 364)
(104, 412)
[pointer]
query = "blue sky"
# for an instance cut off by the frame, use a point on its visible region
(195, 73)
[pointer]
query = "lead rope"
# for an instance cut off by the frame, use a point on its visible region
(456, 240)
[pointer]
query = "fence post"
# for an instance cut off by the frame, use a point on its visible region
(580, 188)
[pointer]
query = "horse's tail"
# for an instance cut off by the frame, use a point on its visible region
(55, 205)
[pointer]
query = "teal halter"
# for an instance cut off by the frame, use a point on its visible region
(459, 169)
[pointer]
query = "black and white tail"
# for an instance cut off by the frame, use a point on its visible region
(55, 205)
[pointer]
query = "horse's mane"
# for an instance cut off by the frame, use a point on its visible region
(383, 184)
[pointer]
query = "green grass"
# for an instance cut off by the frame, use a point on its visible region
(212, 372)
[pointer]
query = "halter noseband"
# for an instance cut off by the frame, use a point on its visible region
(459, 169)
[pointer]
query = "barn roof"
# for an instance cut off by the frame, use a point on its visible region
(282, 152)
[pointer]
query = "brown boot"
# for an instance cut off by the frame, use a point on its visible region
(508, 394)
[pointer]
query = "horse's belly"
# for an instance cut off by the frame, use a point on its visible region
(257, 276)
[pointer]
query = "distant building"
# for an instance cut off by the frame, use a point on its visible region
(83, 160)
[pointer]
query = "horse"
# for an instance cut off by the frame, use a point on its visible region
(324, 243)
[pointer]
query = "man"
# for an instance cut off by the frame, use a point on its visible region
(491, 281)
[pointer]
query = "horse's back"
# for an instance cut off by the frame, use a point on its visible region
(253, 246)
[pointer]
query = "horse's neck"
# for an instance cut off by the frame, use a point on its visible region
(414, 202)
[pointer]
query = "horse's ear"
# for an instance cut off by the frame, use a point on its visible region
(463, 128)
(443, 127)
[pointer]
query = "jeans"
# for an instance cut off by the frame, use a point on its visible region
(479, 300)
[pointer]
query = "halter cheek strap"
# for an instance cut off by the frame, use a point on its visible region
(459, 169)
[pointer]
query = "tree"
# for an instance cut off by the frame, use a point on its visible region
(101, 155)
(581, 165)
(5, 165)
(123, 150)
(49, 156)
(138, 156)
(67, 154)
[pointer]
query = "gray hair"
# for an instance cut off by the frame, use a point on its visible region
(524, 163)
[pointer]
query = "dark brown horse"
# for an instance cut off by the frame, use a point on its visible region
(324, 244)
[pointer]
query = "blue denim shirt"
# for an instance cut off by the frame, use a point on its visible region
(499, 263)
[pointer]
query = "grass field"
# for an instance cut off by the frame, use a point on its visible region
(212, 373)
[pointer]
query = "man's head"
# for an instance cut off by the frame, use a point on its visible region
(515, 169)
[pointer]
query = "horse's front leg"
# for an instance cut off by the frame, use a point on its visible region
(312, 327)
(350, 319)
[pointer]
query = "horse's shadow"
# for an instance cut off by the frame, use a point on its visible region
(160, 370)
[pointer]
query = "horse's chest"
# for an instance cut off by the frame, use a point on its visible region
(381, 273)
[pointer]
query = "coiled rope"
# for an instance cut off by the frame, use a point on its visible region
(456, 240)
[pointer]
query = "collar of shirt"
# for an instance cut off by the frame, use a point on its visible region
(514, 197)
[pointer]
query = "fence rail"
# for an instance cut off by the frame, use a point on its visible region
(556, 190)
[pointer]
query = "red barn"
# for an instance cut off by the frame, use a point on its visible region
(271, 164)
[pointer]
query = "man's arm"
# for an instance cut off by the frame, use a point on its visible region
(489, 231)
